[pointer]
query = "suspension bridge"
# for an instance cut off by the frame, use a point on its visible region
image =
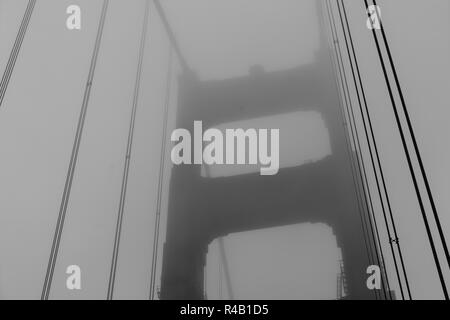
(335, 190)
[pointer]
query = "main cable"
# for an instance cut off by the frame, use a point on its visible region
(414, 142)
(408, 158)
(348, 144)
(16, 49)
(73, 159)
(126, 169)
(365, 175)
(361, 172)
(358, 73)
(171, 35)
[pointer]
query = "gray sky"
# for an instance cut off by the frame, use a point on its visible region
(220, 39)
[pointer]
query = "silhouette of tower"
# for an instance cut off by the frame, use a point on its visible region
(202, 209)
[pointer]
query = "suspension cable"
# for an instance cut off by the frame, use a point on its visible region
(414, 141)
(226, 269)
(405, 146)
(219, 287)
(16, 49)
(350, 40)
(171, 35)
(382, 265)
(73, 159)
(356, 142)
(348, 144)
(161, 178)
(126, 169)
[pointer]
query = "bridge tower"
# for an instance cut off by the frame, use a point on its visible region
(202, 209)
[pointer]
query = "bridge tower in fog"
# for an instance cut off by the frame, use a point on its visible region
(202, 209)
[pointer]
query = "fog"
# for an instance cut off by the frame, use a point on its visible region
(219, 40)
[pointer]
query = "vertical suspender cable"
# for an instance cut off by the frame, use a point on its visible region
(16, 49)
(219, 288)
(406, 150)
(161, 178)
(224, 260)
(358, 73)
(73, 159)
(126, 169)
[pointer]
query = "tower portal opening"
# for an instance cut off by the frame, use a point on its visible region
(304, 138)
(300, 261)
